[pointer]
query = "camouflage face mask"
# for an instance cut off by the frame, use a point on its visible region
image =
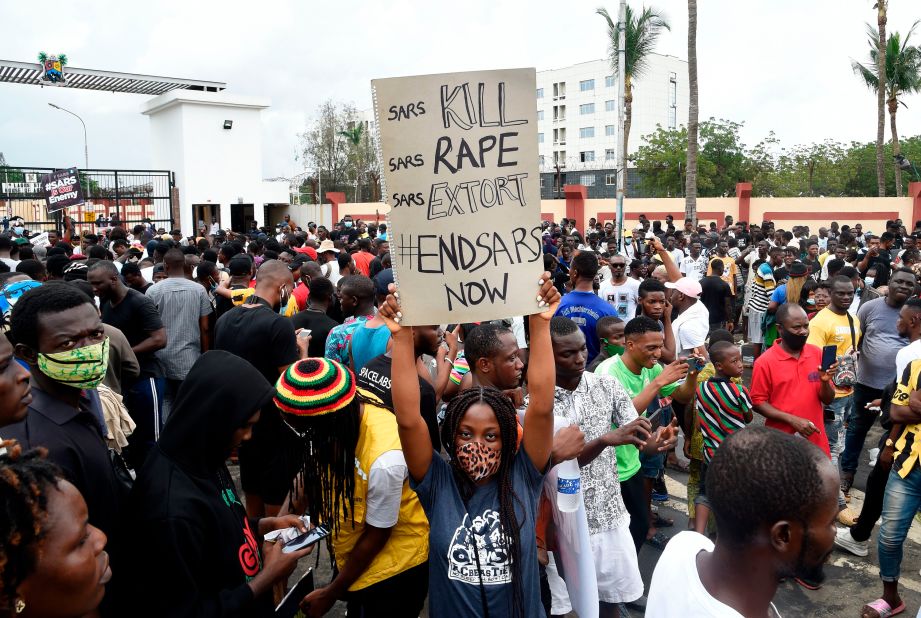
(81, 367)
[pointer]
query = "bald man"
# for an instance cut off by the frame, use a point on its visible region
(257, 333)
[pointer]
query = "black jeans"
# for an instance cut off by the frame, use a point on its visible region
(633, 493)
(400, 596)
(873, 498)
(858, 424)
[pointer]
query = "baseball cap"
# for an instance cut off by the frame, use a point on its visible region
(685, 285)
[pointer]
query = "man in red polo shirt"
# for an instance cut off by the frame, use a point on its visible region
(788, 385)
(363, 256)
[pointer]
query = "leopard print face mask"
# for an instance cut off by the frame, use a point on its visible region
(478, 460)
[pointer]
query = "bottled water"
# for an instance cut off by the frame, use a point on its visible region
(568, 486)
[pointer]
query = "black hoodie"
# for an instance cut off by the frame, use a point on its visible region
(193, 548)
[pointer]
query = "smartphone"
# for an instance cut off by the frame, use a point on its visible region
(306, 539)
(695, 364)
(290, 605)
(304, 333)
(829, 356)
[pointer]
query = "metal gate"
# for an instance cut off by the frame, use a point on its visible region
(130, 195)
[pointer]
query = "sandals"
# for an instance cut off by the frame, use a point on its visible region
(659, 541)
(662, 522)
(882, 609)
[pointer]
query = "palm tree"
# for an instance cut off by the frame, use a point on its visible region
(642, 32)
(880, 7)
(690, 188)
(354, 135)
(902, 75)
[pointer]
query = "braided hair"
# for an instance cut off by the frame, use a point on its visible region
(24, 484)
(324, 452)
(508, 428)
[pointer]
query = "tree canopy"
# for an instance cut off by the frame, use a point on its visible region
(828, 168)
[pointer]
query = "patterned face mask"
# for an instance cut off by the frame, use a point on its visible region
(478, 460)
(81, 367)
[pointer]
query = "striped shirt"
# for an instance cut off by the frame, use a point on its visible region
(181, 303)
(723, 408)
(460, 369)
(762, 287)
(908, 446)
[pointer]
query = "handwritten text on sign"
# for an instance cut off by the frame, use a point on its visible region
(460, 167)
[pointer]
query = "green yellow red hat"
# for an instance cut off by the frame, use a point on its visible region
(314, 387)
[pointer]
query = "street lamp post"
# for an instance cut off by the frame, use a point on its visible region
(86, 152)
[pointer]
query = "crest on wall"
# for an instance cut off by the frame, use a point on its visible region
(52, 67)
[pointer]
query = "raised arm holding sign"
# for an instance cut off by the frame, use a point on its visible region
(459, 157)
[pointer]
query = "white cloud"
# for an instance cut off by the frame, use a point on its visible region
(782, 66)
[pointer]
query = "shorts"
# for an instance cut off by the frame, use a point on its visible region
(701, 497)
(617, 570)
(755, 334)
(651, 465)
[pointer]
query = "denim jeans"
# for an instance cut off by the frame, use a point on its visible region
(858, 424)
(842, 407)
(834, 429)
(903, 497)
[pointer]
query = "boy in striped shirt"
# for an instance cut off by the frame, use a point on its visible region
(723, 407)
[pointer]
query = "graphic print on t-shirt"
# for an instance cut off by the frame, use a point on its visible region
(620, 302)
(486, 533)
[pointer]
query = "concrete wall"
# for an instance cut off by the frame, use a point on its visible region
(815, 212)
(212, 164)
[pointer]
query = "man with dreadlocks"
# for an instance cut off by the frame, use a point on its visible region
(52, 562)
(354, 479)
(481, 506)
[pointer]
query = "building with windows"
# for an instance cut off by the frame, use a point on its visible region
(577, 120)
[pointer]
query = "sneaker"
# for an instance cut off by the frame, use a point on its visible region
(844, 540)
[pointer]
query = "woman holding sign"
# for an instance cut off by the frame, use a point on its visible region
(481, 505)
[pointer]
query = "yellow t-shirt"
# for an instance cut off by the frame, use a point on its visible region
(908, 446)
(829, 328)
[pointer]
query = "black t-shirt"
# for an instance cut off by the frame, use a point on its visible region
(319, 324)
(813, 265)
(136, 317)
(376, 266)
(265, 339)
(351, 234)
(714, 293)
(881, 263)
(374, 377)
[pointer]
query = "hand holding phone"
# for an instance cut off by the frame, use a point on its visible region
(829, 356)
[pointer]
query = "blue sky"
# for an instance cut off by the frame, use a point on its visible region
(781, 65)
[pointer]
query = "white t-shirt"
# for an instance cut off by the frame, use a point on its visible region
(695, 269)
(691, 328)
(676, 589)
(904, 357)
(677, 257)
(623, 297)
(385, 489)
(518, 331)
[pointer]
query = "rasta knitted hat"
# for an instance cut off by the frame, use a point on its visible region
(314, 387)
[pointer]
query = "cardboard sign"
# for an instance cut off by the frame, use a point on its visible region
(460, 172)
(62, 189)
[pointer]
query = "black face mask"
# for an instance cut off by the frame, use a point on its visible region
(792, 340)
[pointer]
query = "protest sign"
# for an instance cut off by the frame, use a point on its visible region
(459, 158)
(62, 189)
(41, 240)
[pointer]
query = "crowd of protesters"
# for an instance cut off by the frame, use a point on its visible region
(140, 366)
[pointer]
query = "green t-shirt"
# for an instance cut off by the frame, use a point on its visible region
(628, 456)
